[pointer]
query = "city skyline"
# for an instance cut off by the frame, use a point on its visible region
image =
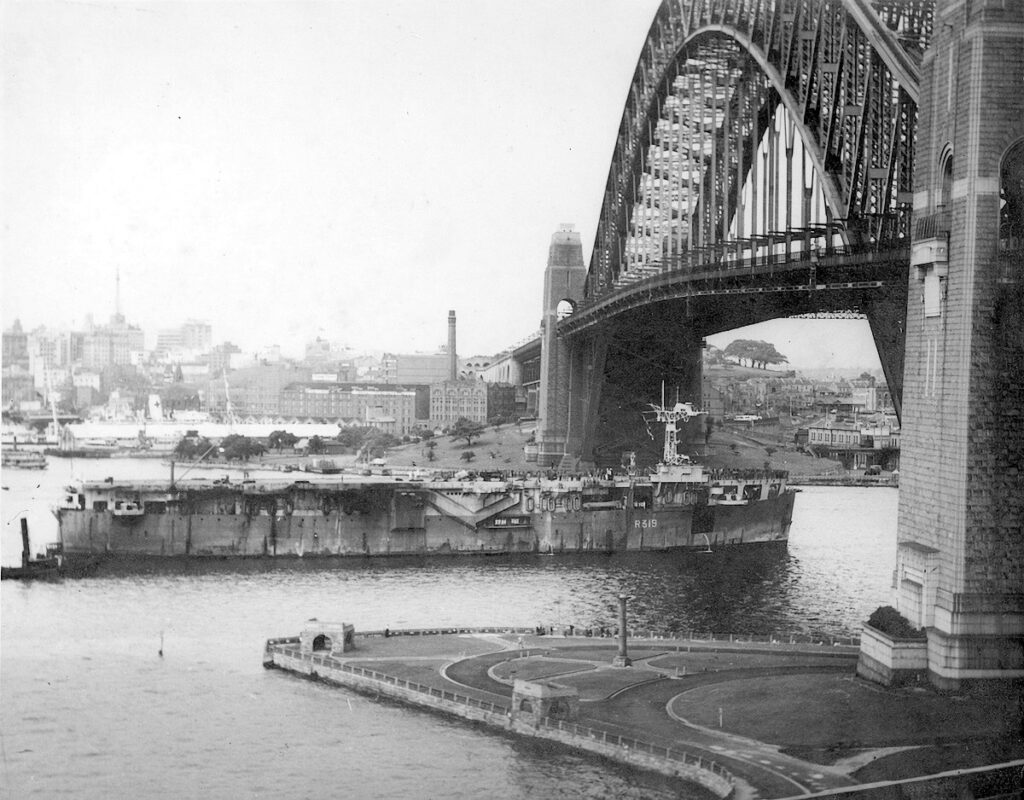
(342, 170)
(788, 335)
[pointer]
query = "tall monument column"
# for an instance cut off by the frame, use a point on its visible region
(960, 552)
(564, 280)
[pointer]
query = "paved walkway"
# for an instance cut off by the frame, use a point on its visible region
(650, 700)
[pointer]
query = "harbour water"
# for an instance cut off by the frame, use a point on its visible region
(91, 709)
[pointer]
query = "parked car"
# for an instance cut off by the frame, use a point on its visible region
(874, 469)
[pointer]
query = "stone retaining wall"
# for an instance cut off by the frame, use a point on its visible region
(889, 661)
(280, 653)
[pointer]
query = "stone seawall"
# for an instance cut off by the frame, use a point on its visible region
(284, 654)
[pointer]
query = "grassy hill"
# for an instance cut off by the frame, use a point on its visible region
(727, 448)
(730, 447)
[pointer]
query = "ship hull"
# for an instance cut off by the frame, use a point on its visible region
(416, 521)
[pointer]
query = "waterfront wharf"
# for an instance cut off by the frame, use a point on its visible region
(742, 717)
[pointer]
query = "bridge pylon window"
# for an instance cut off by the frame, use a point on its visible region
(1011, 200)
(565, 308)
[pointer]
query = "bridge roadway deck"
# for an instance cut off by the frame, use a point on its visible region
(651, 701)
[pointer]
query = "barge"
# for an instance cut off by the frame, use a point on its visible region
(678, 505)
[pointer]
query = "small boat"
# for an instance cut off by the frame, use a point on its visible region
(50, 565)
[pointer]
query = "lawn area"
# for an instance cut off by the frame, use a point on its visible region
(531, 669)
(699, 661)
(842, 711)
(500, 449)
(424, 672)
(444, 646)
(599, 684)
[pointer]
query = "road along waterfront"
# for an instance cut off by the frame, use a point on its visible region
(85, 692)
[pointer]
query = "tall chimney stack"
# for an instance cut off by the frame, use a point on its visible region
(453, 358)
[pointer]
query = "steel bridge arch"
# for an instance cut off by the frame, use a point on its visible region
(825, 63)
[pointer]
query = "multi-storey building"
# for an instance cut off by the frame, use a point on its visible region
(253, 391)
(113, 344)
(451, 400)
(219, 358)
(191, 339)
(391, 409)
(422, 368)
(15, 345)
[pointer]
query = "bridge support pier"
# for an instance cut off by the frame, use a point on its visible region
(586, 380)
(887, 319)
(960, 542)
(564, 281)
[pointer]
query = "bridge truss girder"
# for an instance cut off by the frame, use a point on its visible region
(712, 76)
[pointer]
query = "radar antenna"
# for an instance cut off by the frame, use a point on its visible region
(680, 413)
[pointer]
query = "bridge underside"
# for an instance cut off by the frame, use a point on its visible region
(654, 336)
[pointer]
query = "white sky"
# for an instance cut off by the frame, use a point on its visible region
(348, 169)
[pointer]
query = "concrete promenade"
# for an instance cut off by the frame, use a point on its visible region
(762, 719)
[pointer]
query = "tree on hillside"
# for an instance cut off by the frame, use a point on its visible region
(355, 436)
(713, 355)
(757, 353)
(466, 429)
(377, 444)
(240, 448)
(278, 440)
(191, 447)
(467, 456)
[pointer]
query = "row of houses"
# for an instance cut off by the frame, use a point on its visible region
(793, 394)
(854, 446)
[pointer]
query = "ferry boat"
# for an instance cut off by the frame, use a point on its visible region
(22, 459)
(678, 505)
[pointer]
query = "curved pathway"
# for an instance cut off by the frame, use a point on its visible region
(643, 711)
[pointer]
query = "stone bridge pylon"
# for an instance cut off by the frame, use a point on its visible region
(960, 553)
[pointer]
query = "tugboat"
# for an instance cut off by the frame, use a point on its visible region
(50, 565)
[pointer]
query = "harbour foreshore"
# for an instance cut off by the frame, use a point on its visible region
(647, 715)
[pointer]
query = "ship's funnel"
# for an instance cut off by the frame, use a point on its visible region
(26, 550)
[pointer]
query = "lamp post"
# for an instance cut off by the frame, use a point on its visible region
(622, 659)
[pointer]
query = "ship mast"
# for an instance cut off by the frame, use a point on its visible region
(229, 412)
(53, 404)
(671, 418)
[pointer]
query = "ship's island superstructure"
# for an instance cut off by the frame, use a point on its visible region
(679, 505)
